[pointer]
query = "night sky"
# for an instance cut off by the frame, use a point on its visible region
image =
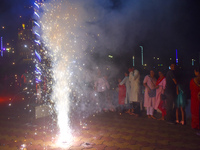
(160, 26)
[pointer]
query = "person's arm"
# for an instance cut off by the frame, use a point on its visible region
(145, 83)
(107, 85)
(175, 82)
(136, 74)
(173, 77)
(130, 75)
(123, 81)
(177, 90)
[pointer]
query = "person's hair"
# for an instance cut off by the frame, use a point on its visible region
(162, 71)
(126, 72)
(152, 69)
(172, 62)
(197, 68)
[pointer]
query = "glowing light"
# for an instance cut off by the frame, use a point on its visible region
(36, 14)
(38, 55)
(37, 23)
(37, 34)
(37, 41)
(36, 5)
(110, 56)
(23, 26)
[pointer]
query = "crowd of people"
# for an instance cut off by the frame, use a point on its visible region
(165, 94)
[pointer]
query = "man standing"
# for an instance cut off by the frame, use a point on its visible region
(170, 92)
(134, 78)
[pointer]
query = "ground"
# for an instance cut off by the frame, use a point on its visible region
(103, 131)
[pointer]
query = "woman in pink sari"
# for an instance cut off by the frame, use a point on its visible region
(159, 103)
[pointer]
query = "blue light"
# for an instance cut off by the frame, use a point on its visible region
(37, 41)
(36, 23)
(37, 34)
(176, 57)
(37, 71)
(38, 55)
(36, 5)
(37, 14)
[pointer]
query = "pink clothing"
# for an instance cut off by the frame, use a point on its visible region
(159, 91)
(151, 82)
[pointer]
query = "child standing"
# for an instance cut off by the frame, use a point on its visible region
(180, 104)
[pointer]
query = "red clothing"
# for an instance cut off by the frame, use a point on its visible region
(122, 94)
(159, 80)
(161, 106)
(195, 89)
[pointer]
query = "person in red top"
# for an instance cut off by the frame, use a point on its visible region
(195, 99)
(121, 95)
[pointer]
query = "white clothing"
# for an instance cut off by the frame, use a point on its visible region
(150, 111)
(134, 78)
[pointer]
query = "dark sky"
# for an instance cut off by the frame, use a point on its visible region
(161, 26)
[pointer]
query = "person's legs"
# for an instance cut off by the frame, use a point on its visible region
(151, 112)
(183, 116)
(148, 112)
(177, 120)
(161, 108)
(169, 107)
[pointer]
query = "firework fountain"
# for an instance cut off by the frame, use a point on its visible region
(61, 32)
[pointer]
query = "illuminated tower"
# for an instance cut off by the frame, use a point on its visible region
(176, 57)
(1, 46)
(142, 55)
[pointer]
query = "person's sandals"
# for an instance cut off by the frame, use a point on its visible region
(153, 117)
(182, 122)
(133, 114)
(161, 118)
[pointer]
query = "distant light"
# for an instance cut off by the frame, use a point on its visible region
(3, 27)
(25, 46)
(8, 49)
(110, 56)
(4, 48)
(158, 58)
(145, 64)
(23, 26)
